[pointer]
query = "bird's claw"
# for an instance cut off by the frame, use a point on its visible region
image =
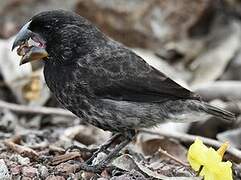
(94, 152)
(98, 168)
(94, 155)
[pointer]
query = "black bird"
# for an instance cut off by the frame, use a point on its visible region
(104, 82)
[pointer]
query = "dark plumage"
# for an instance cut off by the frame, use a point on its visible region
(107, 84)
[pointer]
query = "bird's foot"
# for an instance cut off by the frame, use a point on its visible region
(86, 153)
(94, 155)
(103, 148)
(98, 168)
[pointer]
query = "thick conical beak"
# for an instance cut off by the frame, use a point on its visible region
(32, 52)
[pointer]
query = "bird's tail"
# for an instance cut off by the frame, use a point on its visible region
(218, 112)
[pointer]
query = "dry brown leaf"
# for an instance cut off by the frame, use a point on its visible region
(152, 145)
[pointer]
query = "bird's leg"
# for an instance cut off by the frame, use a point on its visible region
(128, 138)
(103, 147)
(95, 151)
(113, 153)
(103, 163)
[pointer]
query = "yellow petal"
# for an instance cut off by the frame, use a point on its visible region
(224, 172)
(207, 174)
(223, 149)
(197, 154)
(212, 160)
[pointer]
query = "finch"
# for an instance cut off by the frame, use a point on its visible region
(104, 82)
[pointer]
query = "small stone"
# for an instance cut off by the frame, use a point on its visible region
(29, 171)
(25, 178)
(66, 168)
(130, 175)
(71, 177)
(4, 174)
(15, 170)
(99, 157)
(8, 121)
(88, 175)
(23, 160)
(53, 177)
(43, 170)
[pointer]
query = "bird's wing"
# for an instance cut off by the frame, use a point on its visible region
(120, 74)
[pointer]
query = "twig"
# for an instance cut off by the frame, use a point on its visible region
(35, 110)
(65, 157)
(22, 150)
(224, 90)
(172, 157)
(191, 138)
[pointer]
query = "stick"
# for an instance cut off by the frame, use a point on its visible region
(191, 138)
(35, 110)
(22, 150)
(64, 157)
(224, 90)
(172, 157)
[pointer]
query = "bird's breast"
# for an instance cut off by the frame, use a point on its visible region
(70, 89)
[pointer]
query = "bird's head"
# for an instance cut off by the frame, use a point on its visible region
(52, 35)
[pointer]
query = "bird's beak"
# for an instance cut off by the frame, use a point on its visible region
(34, 53)
(29, 52)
